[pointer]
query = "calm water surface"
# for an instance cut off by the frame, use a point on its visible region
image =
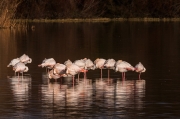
(155, 44)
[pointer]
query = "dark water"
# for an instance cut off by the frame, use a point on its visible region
(155, 44)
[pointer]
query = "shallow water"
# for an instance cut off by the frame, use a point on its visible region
(156, 95)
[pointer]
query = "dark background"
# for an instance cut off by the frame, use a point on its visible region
(53, 9)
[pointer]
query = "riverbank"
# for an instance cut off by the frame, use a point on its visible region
(101, 20)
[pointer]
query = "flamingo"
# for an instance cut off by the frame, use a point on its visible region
(20, 68)
(59, 69)
(123, 66)
(48, 63)
(13, 62)
(109, 64)
(51, 75)
(99, 63)
(68, 62)
(73, 70)
(89, 65)
(81, 64)
(25, 59)
(140, 69)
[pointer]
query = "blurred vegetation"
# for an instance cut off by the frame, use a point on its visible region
(7, 12)
(53, 9)
(63, 9)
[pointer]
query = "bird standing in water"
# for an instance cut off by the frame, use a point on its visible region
(123, 66)
(17, 63)
(25, 59)
(99, 63)
(68, 62)
(89, 65)
(58, 71)
(13, 62)
(20, 68)
(81, 64)
(51, 75)
(110, 64)
(140, 69)
(73, 70)
(48, 63)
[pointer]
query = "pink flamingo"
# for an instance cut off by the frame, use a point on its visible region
(48, 63)
(140, 69)
(99, 63)
(73, 70)
(25, 59)
(123, 66)
(109, 64)
(20, 68)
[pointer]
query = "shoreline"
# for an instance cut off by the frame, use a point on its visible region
(101, 20)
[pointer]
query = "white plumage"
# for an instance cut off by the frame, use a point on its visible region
(73, 69)
(99, 63)
(51, 75)
(59, 69)
(140, 69)
(89, 64)
(80, 63)
(123, 66)
(25, 59)
(49, 63)
(20, 68)
(13, 62)
(68, 63)
(109, 64)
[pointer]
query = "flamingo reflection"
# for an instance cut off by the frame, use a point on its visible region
(99, 63)
(20, 90)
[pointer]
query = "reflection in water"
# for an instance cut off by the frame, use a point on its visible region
(155, 44)
(20, 88)
(92, 97)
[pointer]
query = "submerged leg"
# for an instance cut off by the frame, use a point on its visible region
(78, 76)
(101, 73)
(139, 76)
(73, 79)
(122, 75)
(108, 73)
(85, 75)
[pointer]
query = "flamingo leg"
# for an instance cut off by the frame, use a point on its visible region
(101, 73)
(18, 75)
(108, 73)
(73, 79)
(84, 75)
(139, 76)
(78, 76)
(124, 75)
(85, 78)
